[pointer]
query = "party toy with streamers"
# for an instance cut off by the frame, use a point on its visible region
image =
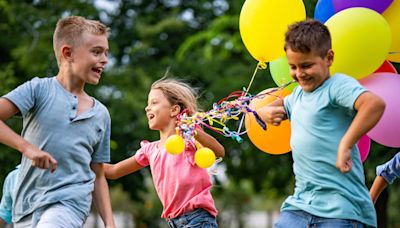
(229, 108)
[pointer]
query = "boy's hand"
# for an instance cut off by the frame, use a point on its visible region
(343, 161)
(272, 114)
(40, 158)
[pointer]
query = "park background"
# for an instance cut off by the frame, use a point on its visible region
(196, 40)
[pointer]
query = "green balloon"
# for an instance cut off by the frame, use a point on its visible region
(280, 72)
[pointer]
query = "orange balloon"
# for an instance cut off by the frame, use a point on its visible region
(274, 140)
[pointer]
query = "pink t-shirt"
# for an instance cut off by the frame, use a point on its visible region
(181, 185)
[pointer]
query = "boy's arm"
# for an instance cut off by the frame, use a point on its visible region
(273, 113)
(369, 109)
(210, 142)
(385, 175)
(377, 187)
(2, 223)
(101, 195)
(8, 137)
(122, 168)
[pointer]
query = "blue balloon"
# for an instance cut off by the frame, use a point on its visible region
(324, 10)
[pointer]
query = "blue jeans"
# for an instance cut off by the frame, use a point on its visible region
(197, 218)
(302, 219)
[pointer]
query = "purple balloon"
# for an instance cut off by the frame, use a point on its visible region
(386, 86)
(377, 5)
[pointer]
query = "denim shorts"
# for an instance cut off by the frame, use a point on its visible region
(198, 218)
(302, 219)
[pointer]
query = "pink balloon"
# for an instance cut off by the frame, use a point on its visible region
(387, 86)
(364, 144)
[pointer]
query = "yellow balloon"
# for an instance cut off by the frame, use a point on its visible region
(175, 144)
(391, 15)
(204, 157)
(276, 139)
(361, 39)
(263, 24)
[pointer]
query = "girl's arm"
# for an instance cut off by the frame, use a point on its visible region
(210, 142)
(122, 168)
(377, 187)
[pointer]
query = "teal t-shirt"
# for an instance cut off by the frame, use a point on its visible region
(319, 120)
(6, 203)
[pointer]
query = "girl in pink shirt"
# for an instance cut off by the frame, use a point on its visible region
(182, 186)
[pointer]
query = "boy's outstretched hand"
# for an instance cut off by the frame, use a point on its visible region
(40, 158)
(272, 114)
(343, 161)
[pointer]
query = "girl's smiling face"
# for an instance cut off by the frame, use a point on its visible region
(160, 112)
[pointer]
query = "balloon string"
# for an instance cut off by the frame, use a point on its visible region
(260, 65)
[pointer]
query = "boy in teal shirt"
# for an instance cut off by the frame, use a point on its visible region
(6, 203)
(328, 116)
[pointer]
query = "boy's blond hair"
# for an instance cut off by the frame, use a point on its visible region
(178, 93)
(70, 30)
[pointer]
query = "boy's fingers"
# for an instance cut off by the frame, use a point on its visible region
(53, 164)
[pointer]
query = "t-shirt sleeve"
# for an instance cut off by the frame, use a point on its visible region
(390, 170)
(102, 149)
(25, 95)
(345, 91)
(141, 156)
(288, 101)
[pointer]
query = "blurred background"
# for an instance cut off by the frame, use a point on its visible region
(196, 40)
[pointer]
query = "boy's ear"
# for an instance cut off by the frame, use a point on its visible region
(66, 52)
(176, 109)
(330, 57)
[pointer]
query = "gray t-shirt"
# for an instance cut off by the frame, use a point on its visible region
(50, 123)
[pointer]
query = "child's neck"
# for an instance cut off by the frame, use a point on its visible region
(70, 83)
(165, 133)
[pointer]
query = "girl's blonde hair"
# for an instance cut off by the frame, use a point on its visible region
(178, 93)
(69, 31)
